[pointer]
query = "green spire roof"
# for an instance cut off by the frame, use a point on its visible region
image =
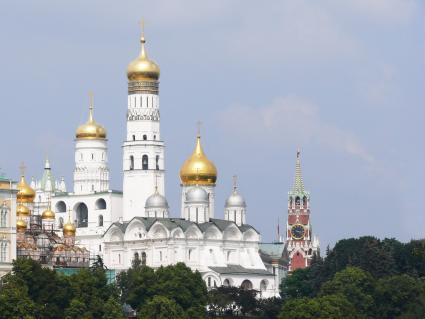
(298, 187)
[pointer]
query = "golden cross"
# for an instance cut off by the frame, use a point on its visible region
(142, 29)
(235, 181)
(199, 124)
(91, 100)
(22, 168)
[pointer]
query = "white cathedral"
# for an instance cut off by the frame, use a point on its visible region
(136, 222)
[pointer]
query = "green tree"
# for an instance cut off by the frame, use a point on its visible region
(161, 307)
(76, 309)
(49, 291)
(136, 285)
(113, 310)
(356, 285)
(298, 284)
(397, 295)
(179, 283)
(325, 307)
(14, 300)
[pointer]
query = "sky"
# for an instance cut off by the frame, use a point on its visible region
(344, 81)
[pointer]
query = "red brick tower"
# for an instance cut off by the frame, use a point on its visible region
(300, 243)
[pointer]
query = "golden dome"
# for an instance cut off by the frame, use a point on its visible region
(91, 129)
(198, 169)
(25, 193)
(21, 225)
(22, 210)
(69, 229)
(48, 214)
(143, 69)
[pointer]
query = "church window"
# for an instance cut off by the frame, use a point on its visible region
(190, 254)
(140, 235)
(100, 220)
(154, 137)
(226, 283)
(297, 201)
(3, 216)
(134, 137)
(305, 202)
(157, 162)
(92, 188)
(82, 215)
(119, 258)
(246, 285)
(145, 162)
(144, 258)
(100, 247)
(131, 162)
(310, 251)
(81, 156)
(61, 222)
(147, 102)
(92, 156)
(160, 256)
(209, 281)
(100, 204)
(197, 217)
(145, 137)
(60, 207)
(3, 251)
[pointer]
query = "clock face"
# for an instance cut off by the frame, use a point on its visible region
(297, 231)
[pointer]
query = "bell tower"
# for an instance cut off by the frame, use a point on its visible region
(300, 243)
(143, 149)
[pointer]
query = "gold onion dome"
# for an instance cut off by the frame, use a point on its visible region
(91, 129)
(69, 229)
(25, 193)
(143, 69)
(198, 169)
(21, 225)
(22, 210)
(48, 214)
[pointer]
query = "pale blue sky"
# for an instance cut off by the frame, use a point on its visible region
(343, 80)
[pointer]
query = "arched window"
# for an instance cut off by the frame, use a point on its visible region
(226, 283)
(60, 222)
(305, 202)
(92, 156)
(246, 284)
(154, 137)
(145, 162)
(145, 137)
(131, 162)
(3, 251)
(189, 254)
(100, 204)
(60, 207)
(134, 137)
(157, 162)
(100, 220)
(82, 215)
(209, 281)
(3, 216)
(136, 256)
(263, 286)
(144, 258)
(297, 201)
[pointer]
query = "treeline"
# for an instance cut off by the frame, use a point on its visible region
(358, 278)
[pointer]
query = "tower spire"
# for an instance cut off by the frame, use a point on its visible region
(235, 182)
(91, 106)
(298, 186)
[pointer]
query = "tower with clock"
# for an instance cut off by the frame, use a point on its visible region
(300, 243)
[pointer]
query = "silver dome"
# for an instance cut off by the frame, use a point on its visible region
(235, 200)
(156, 200)
(197, 194)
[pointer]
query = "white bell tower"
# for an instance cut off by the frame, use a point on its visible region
(91, 172)
(143, 149)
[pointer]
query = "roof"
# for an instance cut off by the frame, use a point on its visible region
(172, 223)
(274, 250)
(239, 270)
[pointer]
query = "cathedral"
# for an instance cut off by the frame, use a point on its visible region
(137, 222)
